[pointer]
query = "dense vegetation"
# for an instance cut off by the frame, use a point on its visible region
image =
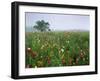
(51, 49)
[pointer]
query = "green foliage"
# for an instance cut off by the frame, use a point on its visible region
(41, 25)
(57, 49)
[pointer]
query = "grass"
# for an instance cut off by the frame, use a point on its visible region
(54, 49)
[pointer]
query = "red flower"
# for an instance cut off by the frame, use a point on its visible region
(33, 54)
(48, 60)
(63, 61)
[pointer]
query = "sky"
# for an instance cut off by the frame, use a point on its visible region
(59, 21)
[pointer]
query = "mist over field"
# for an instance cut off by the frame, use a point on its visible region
(59, 22)
(56, 40)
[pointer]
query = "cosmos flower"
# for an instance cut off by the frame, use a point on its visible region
(77, 59)
(30, 52)
(83, 59)
(63, 47)
(28, 49)
(81, 55)
(62, 50)
(70, 61)
(35, 66)
(48, 60)
(63, 61)
(67, 41)
(39, 63)
(29, 66)
(42, 46)
(33, 54)
(38, 41)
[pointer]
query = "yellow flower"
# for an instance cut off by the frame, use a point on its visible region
(42, 46)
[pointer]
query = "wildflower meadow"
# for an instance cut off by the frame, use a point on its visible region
(56, 49)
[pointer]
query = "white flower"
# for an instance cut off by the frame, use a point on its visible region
(59, 64)
(35, 66)
(83, 59)
(28, 49)
(62, 50)
(81, 50)
(42, 46)
(38, 41)
(63, 47)
(67, 42)
(41, 56)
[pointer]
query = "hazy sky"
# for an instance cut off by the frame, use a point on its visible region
(59, 21)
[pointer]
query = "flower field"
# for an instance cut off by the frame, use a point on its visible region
(56, 49)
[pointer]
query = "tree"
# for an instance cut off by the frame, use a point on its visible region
(41, 25)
